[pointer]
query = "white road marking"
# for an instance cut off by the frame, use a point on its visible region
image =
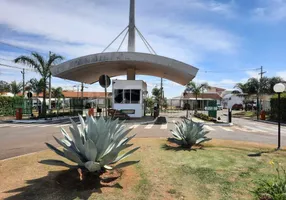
(196, 120)
(255, 129)
(226, 129)
(4, 125)
(149, 126)
(209, 128)
(174, 121)
(134, 126)
(164, 126)
(44, 126)
(241, 129)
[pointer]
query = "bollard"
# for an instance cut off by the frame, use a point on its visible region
(229, 115)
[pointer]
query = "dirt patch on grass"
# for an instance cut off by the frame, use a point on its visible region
(25, 178)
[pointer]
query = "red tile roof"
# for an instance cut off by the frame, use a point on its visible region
(203, 96)
(72, 94)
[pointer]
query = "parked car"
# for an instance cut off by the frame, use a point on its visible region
(237, 107)
(219, 107)
(251, 106)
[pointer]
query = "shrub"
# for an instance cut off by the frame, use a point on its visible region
(274, 107)
(8, 105)
(188, 133)
(274, 189)
(204, 117)
(95, 145)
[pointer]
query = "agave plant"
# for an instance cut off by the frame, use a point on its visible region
(188, 133)
(95, 145)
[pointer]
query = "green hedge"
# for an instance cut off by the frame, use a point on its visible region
(9, 104)
(274, 107)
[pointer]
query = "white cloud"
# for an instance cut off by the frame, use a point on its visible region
(77, 29)
(252, 74)
(274, 10)
(282, 74)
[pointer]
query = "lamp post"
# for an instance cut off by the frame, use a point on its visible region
(279, 88)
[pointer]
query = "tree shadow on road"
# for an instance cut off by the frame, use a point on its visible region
(63, 185)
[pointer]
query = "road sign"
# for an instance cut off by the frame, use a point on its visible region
(104, 83)
(29, 95)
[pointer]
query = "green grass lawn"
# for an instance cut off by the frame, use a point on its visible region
(222, 170)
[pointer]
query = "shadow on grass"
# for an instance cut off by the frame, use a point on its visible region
(174, 146)
(63, 185)
(260, 153)
(178, 148)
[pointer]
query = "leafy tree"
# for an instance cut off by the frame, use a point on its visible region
(58, 94)
(37, 87)
(150, 104)
(196, 89)
(16, 87)
(273, 81)
(42, 66)
(4, 87)
(165, 103)
(156, 92)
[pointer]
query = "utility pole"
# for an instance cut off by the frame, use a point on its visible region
(23, 73)
(161, 95)
(258, 103)
(82, 91)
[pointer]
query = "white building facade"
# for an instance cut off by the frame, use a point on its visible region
(129, 96)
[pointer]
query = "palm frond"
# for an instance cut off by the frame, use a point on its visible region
(26, 60)
(54, 58)
(39, 58)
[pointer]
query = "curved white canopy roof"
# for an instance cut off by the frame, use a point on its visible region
(88, 69)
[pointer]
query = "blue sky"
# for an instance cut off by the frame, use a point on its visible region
(225, 39)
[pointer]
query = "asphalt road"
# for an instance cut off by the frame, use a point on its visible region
(19, 139)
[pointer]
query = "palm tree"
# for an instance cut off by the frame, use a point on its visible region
(37, 86)
(196, 89)
(58, 94)
(16, 87)
(42, 66)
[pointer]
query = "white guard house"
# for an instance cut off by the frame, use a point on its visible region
(128, 97)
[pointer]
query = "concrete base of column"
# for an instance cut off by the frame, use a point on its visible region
(131, 74)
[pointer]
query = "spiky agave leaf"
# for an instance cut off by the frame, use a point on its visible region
(188, 133)
(95, 144)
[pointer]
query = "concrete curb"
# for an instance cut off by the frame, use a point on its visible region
(214, 124)
(39, 120)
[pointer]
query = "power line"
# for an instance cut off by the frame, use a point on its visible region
(229, 71)
(21, 48)
(16, 67)
(6, 59)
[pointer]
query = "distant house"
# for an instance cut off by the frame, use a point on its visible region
(230, 99)
(213, 93)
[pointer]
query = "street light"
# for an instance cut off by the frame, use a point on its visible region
(279, 88)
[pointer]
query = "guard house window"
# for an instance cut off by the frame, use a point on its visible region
(127, 96)
(135, 96)
(118, 96)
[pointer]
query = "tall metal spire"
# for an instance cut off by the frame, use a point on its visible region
(131, 35)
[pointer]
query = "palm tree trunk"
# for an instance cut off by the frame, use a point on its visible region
(44, 109)
(197, 103)
(50, 94)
